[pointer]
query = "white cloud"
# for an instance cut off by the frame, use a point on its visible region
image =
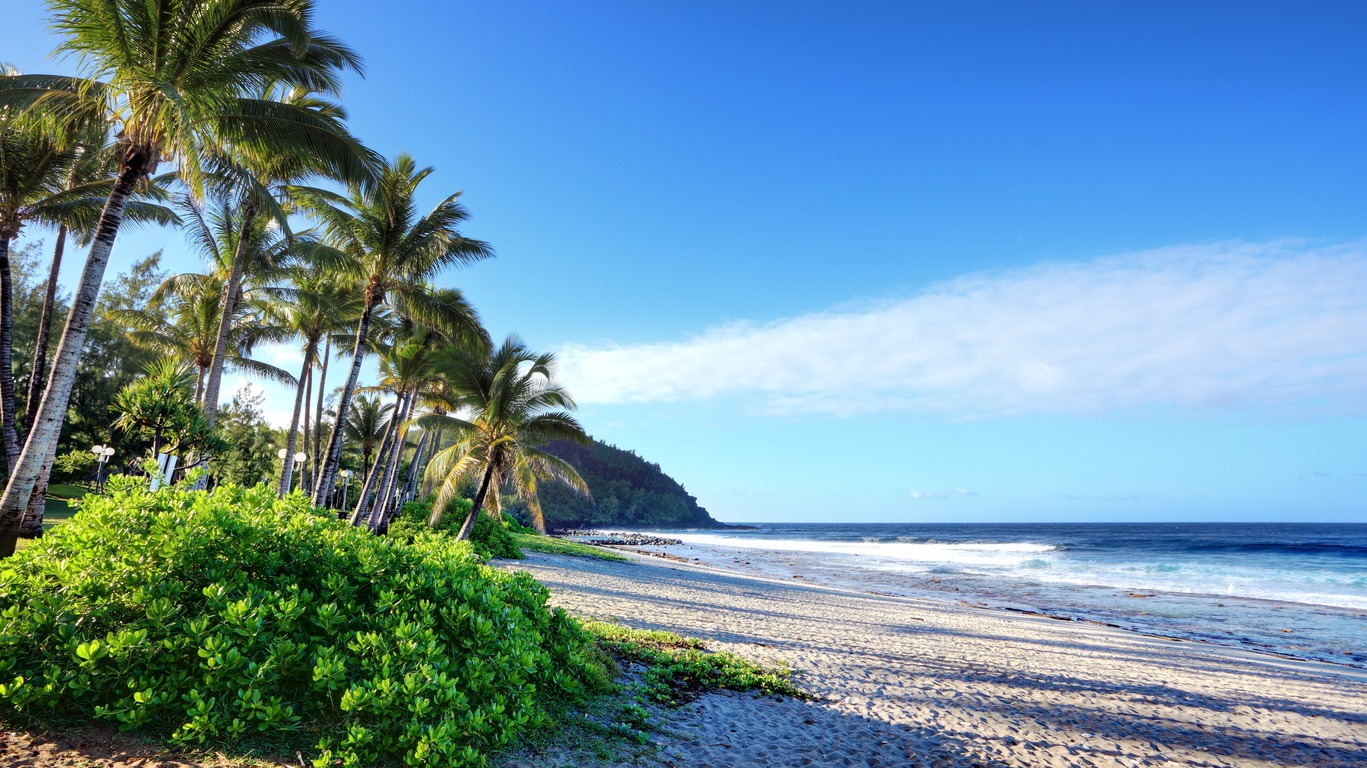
(1280, 325)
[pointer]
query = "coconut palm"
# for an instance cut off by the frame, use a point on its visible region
(318, 306)
(405, 371)
(182, 323)
(258, 182)
(82, 194)
(178, 80)
(391, 249)
(512, 407)
(40, 183)
(366, 424)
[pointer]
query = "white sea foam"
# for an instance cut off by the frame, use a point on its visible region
(911, 554)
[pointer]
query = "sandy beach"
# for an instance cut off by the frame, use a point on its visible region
(906, 682)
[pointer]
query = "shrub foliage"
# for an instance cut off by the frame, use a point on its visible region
(222, 615)
(489, 537)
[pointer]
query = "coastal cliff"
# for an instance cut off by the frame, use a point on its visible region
(628, 492)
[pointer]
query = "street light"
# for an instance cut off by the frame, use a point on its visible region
(346, 483)
(299, 457)
(102, 454)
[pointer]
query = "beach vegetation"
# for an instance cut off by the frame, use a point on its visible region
(677, 668)
(176, 81)
(551, 545)
(210, 617)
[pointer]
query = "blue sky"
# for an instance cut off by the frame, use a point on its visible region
(905, 261)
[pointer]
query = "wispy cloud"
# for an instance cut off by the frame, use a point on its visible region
(1205, 326)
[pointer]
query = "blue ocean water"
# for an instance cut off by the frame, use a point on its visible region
(1294, 589)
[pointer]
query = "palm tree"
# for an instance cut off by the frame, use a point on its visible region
(259, 182)
(391, 249)
(87, 180)
(513, 407)
(366, 425)
(182, 321)
(177, 79)
(405, 370)
(318, 306)
(39, 183)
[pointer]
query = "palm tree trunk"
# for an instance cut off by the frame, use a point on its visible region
(227, 309)
(307, 383)
(410, 488)
(47, 425)
(385, 496)
(469, 524)
(32, 525)
(8, 431)
(373, 473)
(318, 416)
(294, 421)
(327, 475)
(35, 380)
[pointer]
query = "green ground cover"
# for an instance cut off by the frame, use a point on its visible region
(554, 546)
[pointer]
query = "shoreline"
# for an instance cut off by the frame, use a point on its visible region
(1305, 630)
(915, 681)
(1251, 651)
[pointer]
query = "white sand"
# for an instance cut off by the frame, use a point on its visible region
(915, 683)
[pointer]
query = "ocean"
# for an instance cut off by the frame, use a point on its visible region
(1298, 590)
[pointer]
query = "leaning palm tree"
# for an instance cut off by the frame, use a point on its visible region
(391, 249)
(40, 170)
(80, 200)
(177, 79)
(512, 407)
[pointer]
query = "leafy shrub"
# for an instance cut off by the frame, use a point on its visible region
(212, 616)
(490, 537)
(76, 466)
(677, 667)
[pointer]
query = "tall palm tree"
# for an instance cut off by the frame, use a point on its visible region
(177, 79)
(87, 180)
(318, 306)
(259, 182)
(391, 249)
(512, 407)
(39, 171)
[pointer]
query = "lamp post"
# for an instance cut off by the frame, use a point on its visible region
(102, 454)
(346, 483)
(299, 457)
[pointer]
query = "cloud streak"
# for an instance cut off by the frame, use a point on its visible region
(1226, 325)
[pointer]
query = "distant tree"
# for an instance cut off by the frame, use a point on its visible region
(160, 406)
(249, 458)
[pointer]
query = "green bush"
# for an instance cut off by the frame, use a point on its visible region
(490, 537)
(76, 466)
(214, 616)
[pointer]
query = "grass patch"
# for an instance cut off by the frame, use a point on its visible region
(678, 668)
(554, 546)
(66, 491)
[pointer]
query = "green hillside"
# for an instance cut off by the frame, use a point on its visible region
(628, 492)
